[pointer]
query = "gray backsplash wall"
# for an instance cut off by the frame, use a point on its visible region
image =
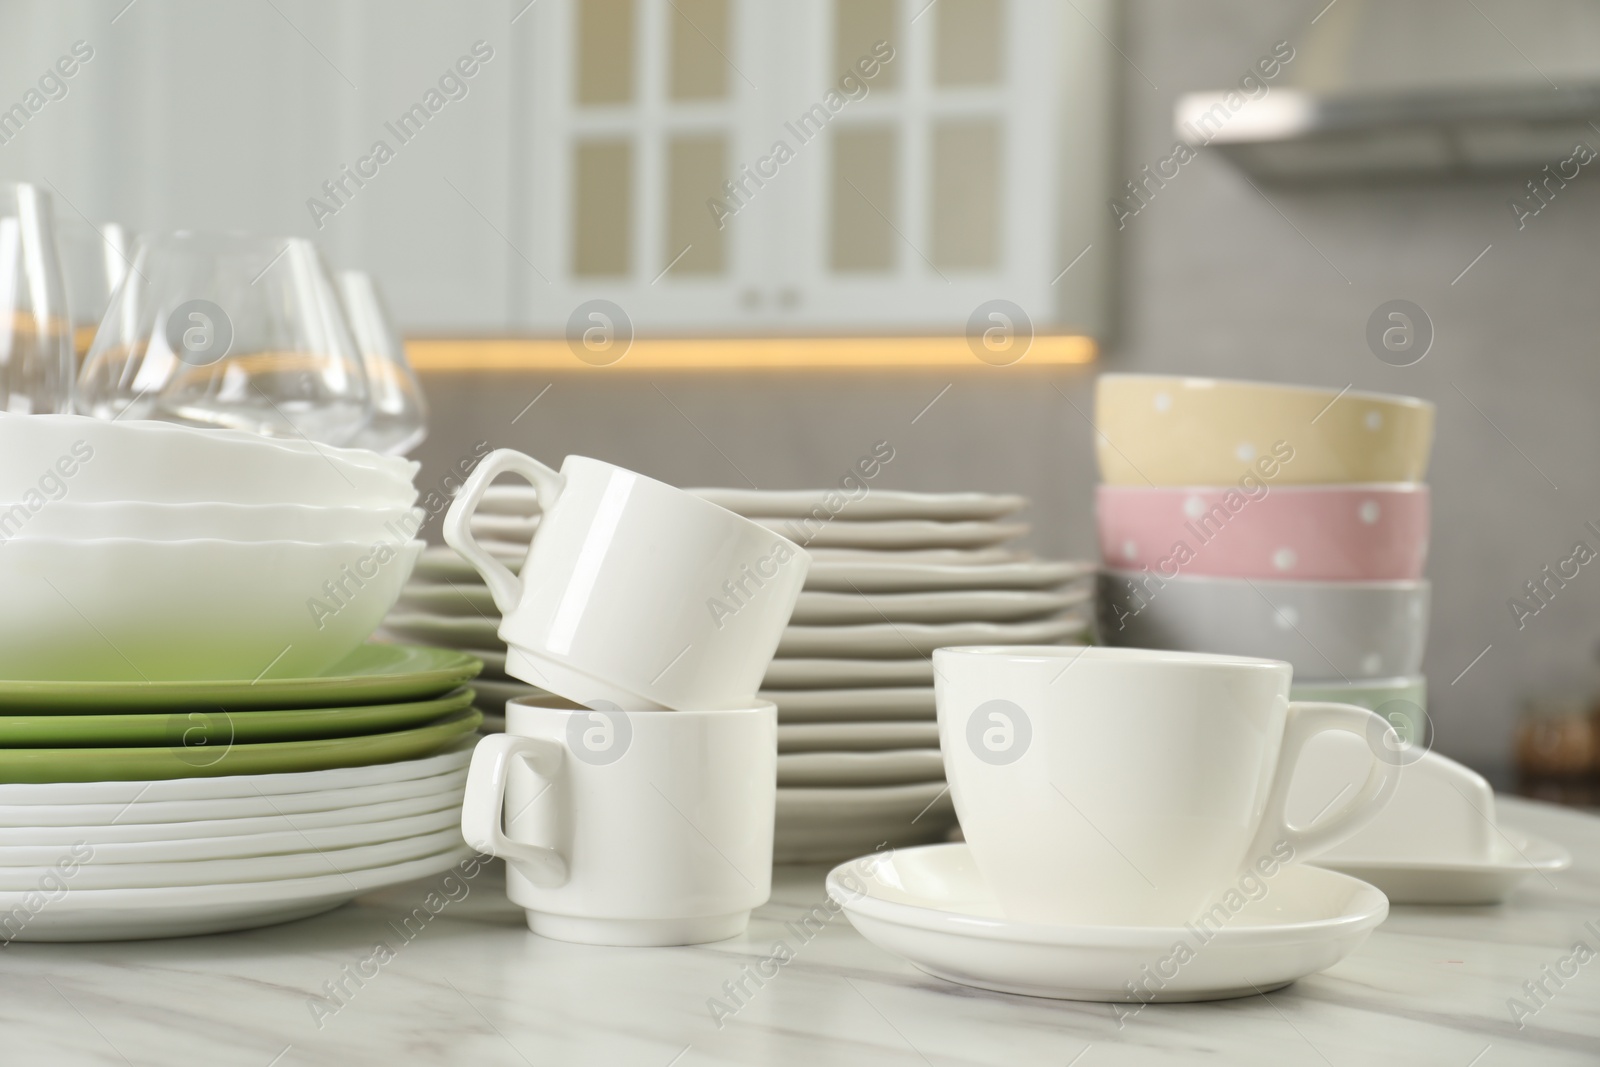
(1216, 277)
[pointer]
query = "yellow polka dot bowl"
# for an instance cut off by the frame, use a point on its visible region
(1161, 430)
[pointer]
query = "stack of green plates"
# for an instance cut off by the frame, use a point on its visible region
(380, 704)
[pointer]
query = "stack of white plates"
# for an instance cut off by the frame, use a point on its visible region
(894, 575)
(89, 861)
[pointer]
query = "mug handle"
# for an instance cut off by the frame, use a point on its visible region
(1307, 720)
(483, 810)
(547, 484)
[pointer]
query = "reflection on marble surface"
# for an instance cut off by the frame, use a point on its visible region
(472, 986)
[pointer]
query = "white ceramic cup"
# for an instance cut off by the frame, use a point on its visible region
(634, 593)
(628, 828)
(1133, 786)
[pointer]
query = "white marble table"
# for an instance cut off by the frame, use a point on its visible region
(472, 987)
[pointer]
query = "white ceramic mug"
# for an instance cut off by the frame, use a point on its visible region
(628, 828)
(634, 593)
(1134, 786)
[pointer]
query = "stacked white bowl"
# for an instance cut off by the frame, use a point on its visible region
(893, 576)
(145, 551)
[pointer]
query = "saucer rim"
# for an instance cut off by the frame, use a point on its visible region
(1367, 909)
(1557, 858)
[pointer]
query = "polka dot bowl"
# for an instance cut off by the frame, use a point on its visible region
(1323, 532)
(1325, 630)
(1158, 430)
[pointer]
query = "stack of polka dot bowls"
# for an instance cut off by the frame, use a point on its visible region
(1281, 521)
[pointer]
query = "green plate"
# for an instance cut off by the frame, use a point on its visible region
(215, 727)
(372, 674)
(212, 761)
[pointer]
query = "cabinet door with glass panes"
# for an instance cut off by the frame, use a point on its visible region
(818, 166)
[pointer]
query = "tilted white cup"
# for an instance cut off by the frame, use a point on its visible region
(634, 593)
(1131, 786)
(628, 828)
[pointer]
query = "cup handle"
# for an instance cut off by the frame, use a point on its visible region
(547, 484)
(483, 809)
(1307, 720)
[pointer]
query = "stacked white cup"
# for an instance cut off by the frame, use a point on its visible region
(635, 807)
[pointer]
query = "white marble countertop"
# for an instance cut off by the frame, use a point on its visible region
(1430, 986)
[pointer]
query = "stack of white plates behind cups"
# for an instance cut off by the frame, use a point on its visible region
(147, 551)
(894, 575)
(90, 861)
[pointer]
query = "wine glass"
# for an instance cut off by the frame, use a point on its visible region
(95, 260)
(37, 362)
(399, 410)
(228, 330)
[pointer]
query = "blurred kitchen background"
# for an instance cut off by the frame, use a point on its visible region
(1388, 157)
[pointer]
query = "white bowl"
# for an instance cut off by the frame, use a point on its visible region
(48, 457)
(122, 609)
(1342, 630)
(70, 519)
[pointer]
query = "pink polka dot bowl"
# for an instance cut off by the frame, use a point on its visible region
(1259, 530)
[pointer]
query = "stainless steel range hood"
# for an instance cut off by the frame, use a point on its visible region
(1415, 89)
(1293, 135)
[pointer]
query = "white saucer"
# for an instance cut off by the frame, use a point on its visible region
(896, 534)
(299, 859)
(441, 563)
(279, 844)
(208, 820)
(856, 736)
(878, 504)
(515, 529)
(810, 673)
(512, 499)
(448, 598)
(850, 705)
(930, 906)
(887, 576)
(892, 640)
(1517, 858)
(950, 557)
(893, 766)
(182, 911)
(825, 825)
(816, 608)
(449, 631)
(289, 785)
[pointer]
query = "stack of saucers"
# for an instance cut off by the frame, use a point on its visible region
(894, 575)
(1278, 521)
